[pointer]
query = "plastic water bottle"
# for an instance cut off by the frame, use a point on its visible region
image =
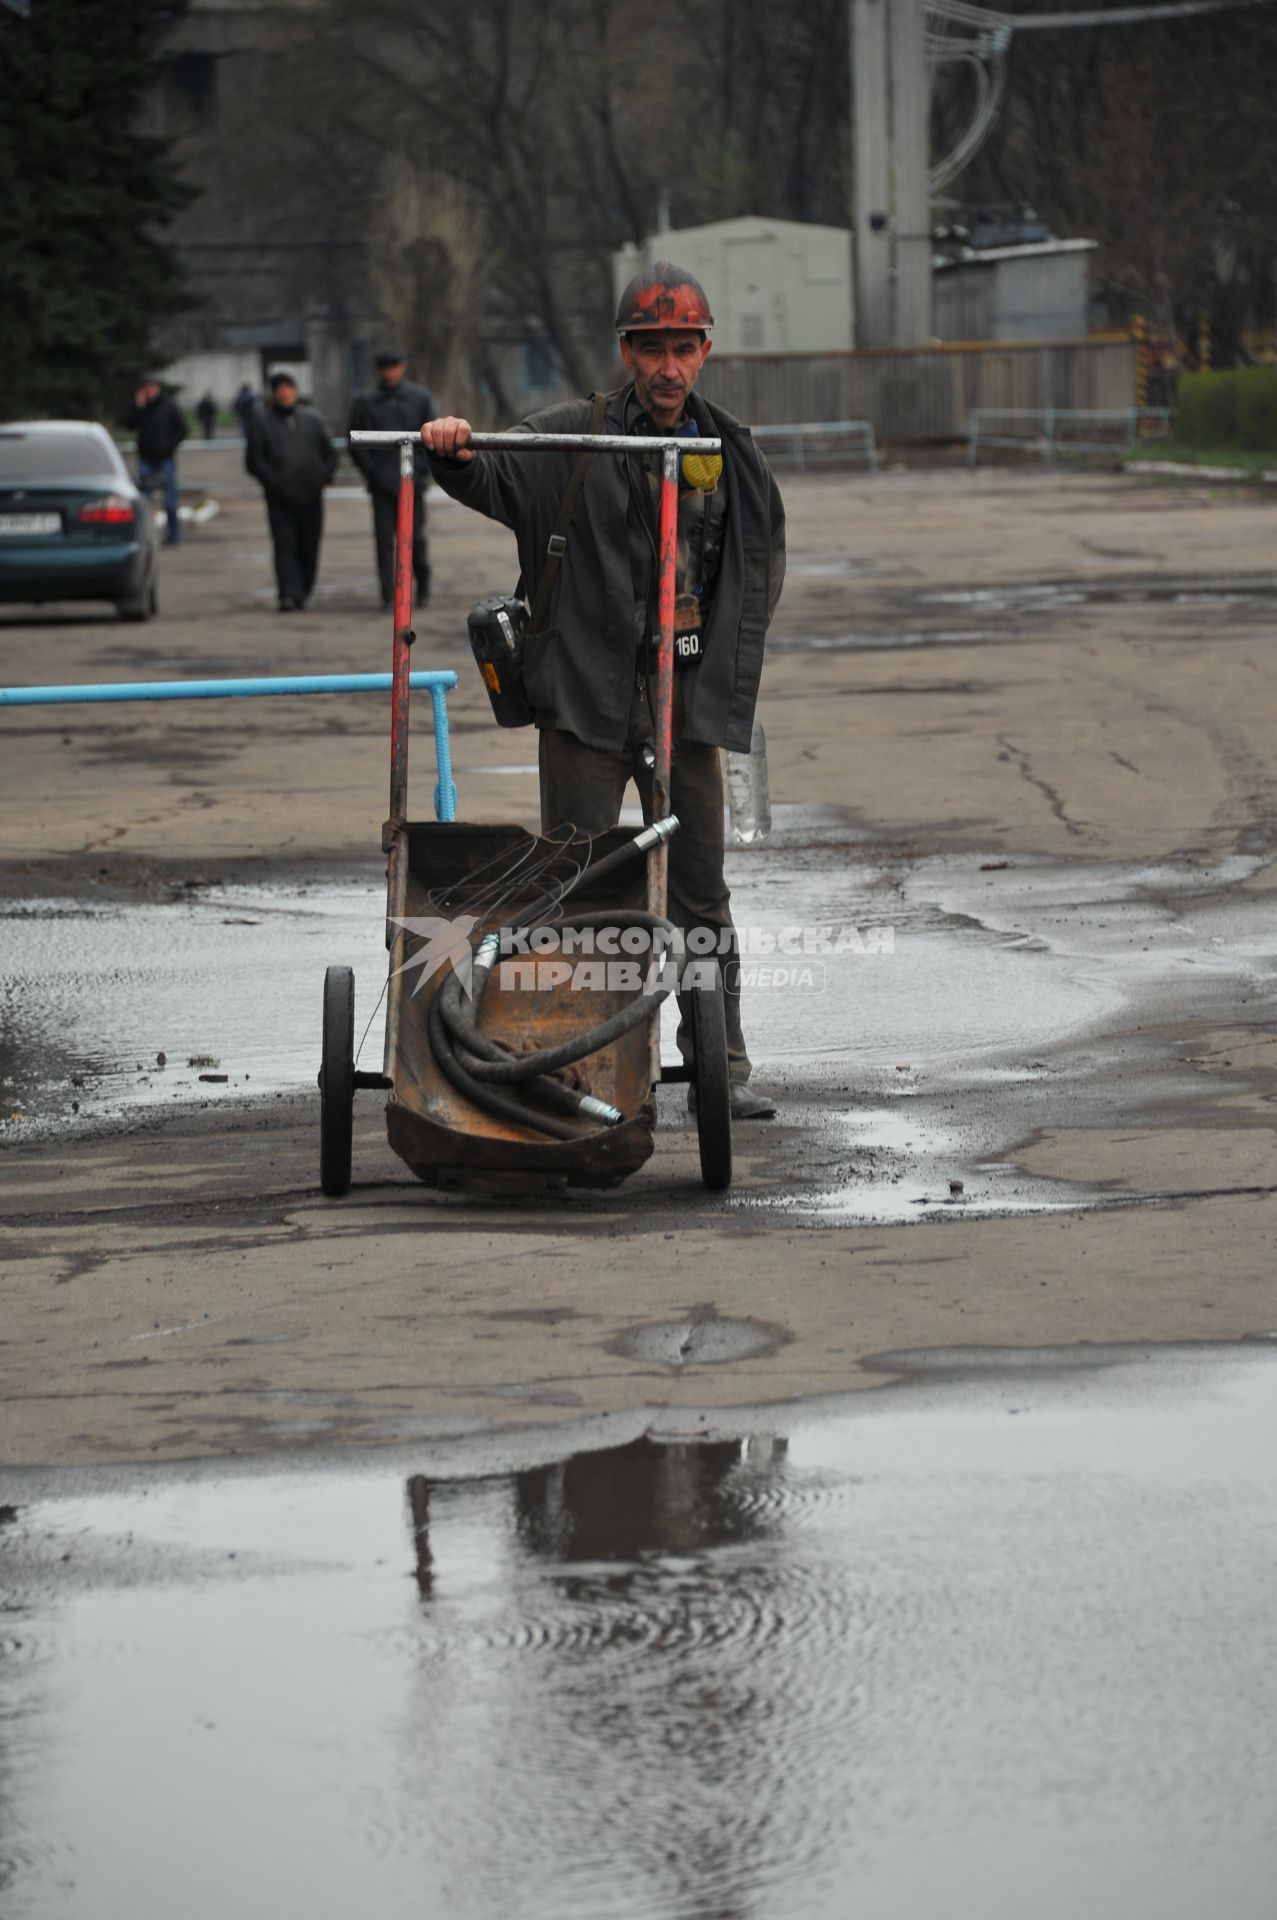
(747, 797)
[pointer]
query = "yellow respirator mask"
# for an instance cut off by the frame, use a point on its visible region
(700, 470)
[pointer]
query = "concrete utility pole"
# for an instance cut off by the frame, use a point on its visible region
(910, 161)
(891, 96)
(871, 215)
(890, 90)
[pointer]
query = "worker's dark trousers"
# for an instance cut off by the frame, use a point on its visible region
(295, 533)
(385, 519)
(583, 786)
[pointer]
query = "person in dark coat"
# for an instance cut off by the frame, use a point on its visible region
(245, 405)
(588, 673)
(394, 405)
(291, 454)
(206, 411)
(160, 427)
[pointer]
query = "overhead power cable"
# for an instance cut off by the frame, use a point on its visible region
(991, 90)
(989, 19)
(986, 52)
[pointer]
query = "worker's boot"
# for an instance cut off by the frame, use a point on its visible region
(746, 1104)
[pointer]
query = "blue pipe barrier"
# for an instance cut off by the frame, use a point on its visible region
(215, 689)
(436, 684)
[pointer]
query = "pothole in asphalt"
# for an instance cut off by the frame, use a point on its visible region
(697, 1341)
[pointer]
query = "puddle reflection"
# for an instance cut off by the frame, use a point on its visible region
(999, 1644)
(650, 1497)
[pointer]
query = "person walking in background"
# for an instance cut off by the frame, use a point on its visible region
(245, 405)
(206, 409)
(290, 454)
(394, 405)
(160, 427)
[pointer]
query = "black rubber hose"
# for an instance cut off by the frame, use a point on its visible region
(488, 1098)
(479, 1047)
(512, 1069)
(470, 1061)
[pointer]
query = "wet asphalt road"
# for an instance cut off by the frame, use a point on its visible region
(1019, 728)
(488, 1597)
(999, 1641)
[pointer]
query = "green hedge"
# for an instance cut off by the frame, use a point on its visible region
(1228, 409)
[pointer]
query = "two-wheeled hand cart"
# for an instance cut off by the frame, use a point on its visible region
(510, 1064)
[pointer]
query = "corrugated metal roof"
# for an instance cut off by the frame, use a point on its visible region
(1032, 249)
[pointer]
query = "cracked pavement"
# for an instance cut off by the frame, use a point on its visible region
(1026, 717)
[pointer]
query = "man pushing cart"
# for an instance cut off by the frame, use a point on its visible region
(652, 580)
(590, 566)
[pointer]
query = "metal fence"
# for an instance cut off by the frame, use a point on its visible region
(1052, 430)
(822, 442)
(925, 393)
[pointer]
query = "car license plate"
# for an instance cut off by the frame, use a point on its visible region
(20, 523)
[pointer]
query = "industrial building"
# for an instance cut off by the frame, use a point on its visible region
(777, 286)
(1037, 290)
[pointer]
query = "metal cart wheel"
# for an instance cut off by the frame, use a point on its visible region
(337, 1081)
(713, 1091)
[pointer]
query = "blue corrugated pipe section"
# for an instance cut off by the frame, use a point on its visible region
(436, 684)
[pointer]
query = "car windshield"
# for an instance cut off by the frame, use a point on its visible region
(28, 454)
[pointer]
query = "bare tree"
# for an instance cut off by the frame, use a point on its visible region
(564, 123)
(429, 267)
(1160, 141)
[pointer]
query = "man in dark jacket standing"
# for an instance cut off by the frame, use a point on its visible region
(588, 673)
(245, 405)
(160, 426)
(394, 405)
(291, 454)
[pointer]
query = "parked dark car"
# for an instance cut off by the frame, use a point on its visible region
(73, 526)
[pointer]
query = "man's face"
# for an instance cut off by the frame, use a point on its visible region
(391, 376)
(286, 396)
(665, 366)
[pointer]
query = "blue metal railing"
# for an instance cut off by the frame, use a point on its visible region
(1046, 429)
(437, 685)
(815, 440)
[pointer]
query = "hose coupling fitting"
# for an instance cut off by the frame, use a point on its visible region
(485, 954)
(600, 1110)
(658, 831)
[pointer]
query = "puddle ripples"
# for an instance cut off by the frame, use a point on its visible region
(905, 1651)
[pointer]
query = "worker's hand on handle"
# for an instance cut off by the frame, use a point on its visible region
(447, 437)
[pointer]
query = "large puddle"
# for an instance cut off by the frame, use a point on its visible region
(846, 963)
(836, 967)
(985, 1646)
(917, 1021)
(227, 984)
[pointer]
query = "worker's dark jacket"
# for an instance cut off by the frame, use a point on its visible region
(401, 409)
(579, 672)
(160, 427)
(291, 454)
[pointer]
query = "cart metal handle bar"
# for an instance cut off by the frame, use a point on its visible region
(550, 442)
(669, 446)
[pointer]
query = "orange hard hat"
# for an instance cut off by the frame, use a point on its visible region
(663, 295)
